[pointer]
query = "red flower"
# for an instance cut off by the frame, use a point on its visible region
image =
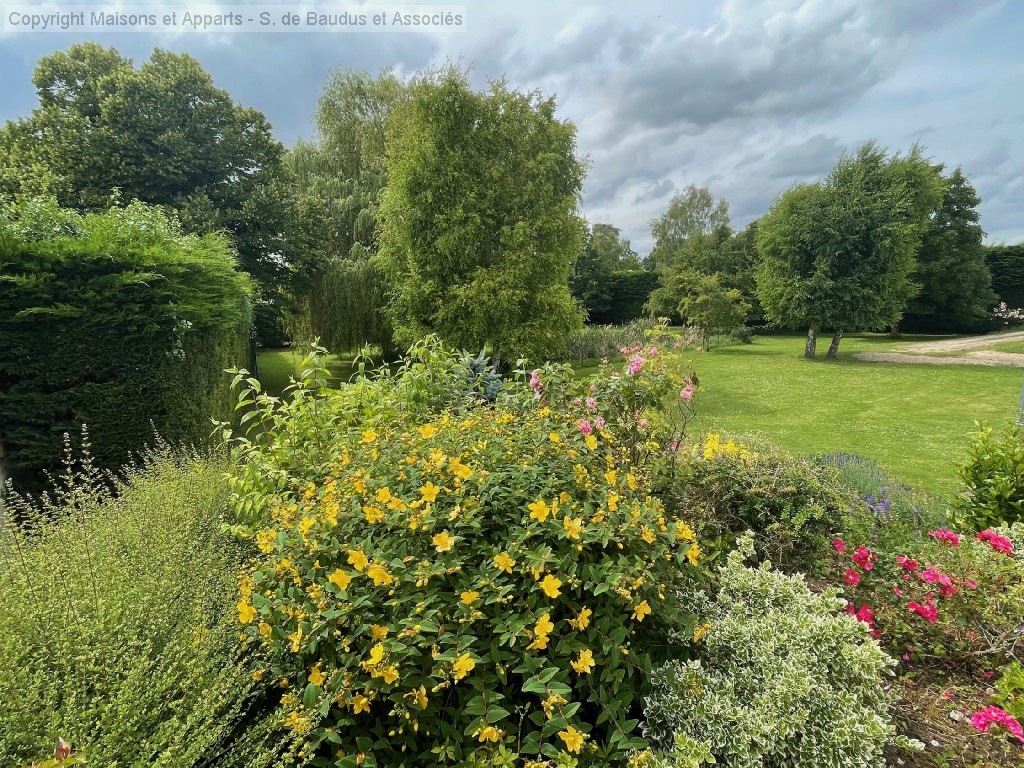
(906, 562)
(864, 557)
(986, 718)
(946, 536)
(851, 577)
(839, 545)
(866, 615)
(928, 612)
(997, 542)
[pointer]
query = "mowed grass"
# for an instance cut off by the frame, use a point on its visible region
(912, 419)
(275, 368)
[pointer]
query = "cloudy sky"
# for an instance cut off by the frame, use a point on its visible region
(743, 96)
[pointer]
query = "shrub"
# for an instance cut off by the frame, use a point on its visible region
(993, 476)
(793, 505)
(441, 584)
(782, 677)
(889, 512)
(946, 599)
(116, 320)
(606, 340)
(117, 626)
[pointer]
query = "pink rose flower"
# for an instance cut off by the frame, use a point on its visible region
(839, 545)
(946, 536)
(851, 577)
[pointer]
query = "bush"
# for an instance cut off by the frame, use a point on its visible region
(116, 320)
(440, 584)
(993, 476)
(889, 513)
(783, 677)
(117, 626)
(946, 599)
(606, 340)
(792, 505)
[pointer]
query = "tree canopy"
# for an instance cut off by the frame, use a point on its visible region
(479, 218)
(839, 254)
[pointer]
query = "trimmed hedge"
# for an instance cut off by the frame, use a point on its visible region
(1006, 263)
(629, 290)
(117, 321)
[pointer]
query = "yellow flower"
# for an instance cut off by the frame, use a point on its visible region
(383, 495)
(340, 579)
(554, 438)
(265, 540)
(700, 631)
(306, 525)
(246, 613)
(591, 442)
(360, 704)
(420, 696)
(297, 723)
(647, 535)
(631, 481)
(585, 663)
(613, 502)
(582, 620)
(610, 476)
(443, 541)
(376, 655)
(369, 436)
(460, 470)
(539, 510)
(693, 553)
(390, 674)
(573, 528)
(427, 431)
(684, 532)
(544, 625)
(378, 632)
(470, 597)
(256, 674)
(380, 576)
(266, 630)
(463, 666)
(296, 638)
(490, 733)
(316, 677)
(540, 642)
(503, 562)
(550, 585)
(573, 739)
(357, 559)
(373, 514)
(429, 492)
(643, 609)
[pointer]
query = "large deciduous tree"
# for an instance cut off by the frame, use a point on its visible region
(163, 134)
(479, 219)
(604, 252)
(839, 254)
(955, 284)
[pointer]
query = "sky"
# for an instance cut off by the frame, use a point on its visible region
(745, 97)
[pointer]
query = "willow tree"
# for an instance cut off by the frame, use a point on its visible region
(479, 219)
(839, 254)
(339, 176)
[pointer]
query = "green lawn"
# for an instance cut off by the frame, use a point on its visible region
(275, 366)
(912, 419)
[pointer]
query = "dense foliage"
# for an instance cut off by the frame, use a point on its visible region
(783, 677)
(117, 626)
(117, 321)
(629, 291)
(444, 580)
(163, 134)
(479, 219)
(993, 478)
(839, 254)
(1006, 263)
(792, 505)
(605, 252)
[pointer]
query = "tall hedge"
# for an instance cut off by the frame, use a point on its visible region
(1006, 263)
(629, 290)
(117, 321)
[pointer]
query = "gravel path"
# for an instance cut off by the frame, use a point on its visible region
(922, 351)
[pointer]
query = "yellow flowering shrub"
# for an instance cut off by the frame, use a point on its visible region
(472, 581)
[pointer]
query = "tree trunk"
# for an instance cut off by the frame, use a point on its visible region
(812, 342)
(894, 330)
(833, 348)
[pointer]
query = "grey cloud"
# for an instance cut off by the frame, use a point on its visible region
(813, 157)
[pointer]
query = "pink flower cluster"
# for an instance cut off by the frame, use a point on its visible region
(928, 611)
(865, 615)
(946, 536)
(535, 385)
(584, 427)
(997, 542)
(686, 393)
(635, 364)
(864, 557)
(985, 718)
